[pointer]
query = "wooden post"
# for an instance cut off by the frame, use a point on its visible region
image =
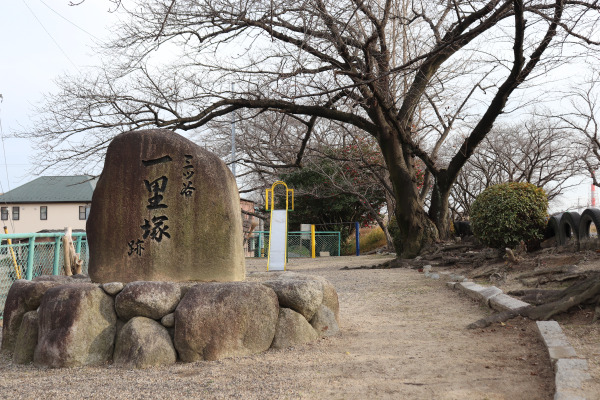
(73, 264)
(67, 251)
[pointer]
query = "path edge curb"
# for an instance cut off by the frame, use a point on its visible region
(570, 371)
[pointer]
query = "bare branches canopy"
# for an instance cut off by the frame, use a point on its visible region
(405, 72)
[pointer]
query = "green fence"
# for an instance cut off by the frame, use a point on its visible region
(35, 254)
(298, 244)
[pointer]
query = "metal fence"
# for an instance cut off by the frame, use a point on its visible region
(299, 244)
(34, 254)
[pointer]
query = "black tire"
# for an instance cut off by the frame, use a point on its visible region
(589, 216)
(552, 228)
(569, 227)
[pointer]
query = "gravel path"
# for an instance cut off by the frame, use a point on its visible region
(402, 337)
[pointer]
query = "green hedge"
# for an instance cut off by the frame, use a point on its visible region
(506, 214)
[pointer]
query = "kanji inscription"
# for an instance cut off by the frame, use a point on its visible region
(164, 209)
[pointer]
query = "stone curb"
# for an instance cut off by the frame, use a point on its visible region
(555, 340)
(569, 371)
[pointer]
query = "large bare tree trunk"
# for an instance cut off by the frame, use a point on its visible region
(439, 210)
(416, 230)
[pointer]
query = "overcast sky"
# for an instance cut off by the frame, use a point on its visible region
(39, 41)
(38, 44)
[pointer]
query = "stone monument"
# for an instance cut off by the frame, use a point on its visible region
(164, 209)
(165, 241)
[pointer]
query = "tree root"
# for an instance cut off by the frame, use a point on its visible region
(536, 296)
(548, 271)
(495, 318)
(584, 292)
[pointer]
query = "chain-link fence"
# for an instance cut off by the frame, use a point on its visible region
(299, 244)
(31, 255)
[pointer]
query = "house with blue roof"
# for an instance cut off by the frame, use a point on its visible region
(48, 203)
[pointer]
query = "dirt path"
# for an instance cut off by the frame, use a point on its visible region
(402, 337)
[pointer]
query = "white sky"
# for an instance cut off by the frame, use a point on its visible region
(37, 45)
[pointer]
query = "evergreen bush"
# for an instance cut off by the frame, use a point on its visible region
(504, 215)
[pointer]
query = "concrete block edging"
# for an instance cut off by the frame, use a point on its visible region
(569, 371)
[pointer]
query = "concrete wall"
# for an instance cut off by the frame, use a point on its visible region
(60, 215)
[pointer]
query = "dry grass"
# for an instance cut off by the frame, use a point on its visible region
(371, 238)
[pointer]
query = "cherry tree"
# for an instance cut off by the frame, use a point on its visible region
(380, 66)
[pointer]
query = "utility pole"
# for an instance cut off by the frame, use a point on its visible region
(233, 137)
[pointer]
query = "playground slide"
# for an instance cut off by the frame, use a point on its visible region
(277, 240)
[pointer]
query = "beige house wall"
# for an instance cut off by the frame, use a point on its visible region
(60, 215)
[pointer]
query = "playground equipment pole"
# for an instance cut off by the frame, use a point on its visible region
(278, 232)
(12, 253)
(312, 241)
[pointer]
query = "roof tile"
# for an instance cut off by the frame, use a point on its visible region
(53, 189)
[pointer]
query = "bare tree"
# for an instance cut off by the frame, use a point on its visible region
(582, 120)
(371, 64)
(361, 173)
(538, 151)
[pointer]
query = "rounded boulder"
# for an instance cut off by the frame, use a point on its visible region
(143, 343)
(147, 299)
(217, 320)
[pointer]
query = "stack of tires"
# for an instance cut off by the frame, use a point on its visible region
(573, 229)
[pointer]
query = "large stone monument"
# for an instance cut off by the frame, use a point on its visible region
(164, 209)
(165, 240)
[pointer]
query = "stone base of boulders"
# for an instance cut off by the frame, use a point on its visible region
(59, 321)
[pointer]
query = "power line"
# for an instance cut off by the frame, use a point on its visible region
(72, 23)
(12, 223)
(48, 33)
(3, 148)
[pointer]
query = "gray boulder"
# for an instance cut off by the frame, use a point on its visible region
(113, 288)
(217, 320)
(53, 278)
(185, 286)
(76, 326)
(292, 329)
(147, 299)
(143, 343)
(330, 297)
(325, 322)
(23, 296)
(62, 278)
(168, 321)
(27, 339)
(303, 296)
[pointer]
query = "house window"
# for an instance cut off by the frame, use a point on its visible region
(84, 212)
(44, 213)
(15, 213)
(4, 213)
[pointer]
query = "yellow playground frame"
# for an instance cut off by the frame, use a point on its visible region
(271, 193)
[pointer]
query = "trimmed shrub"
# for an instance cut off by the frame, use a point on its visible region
(506, 214)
